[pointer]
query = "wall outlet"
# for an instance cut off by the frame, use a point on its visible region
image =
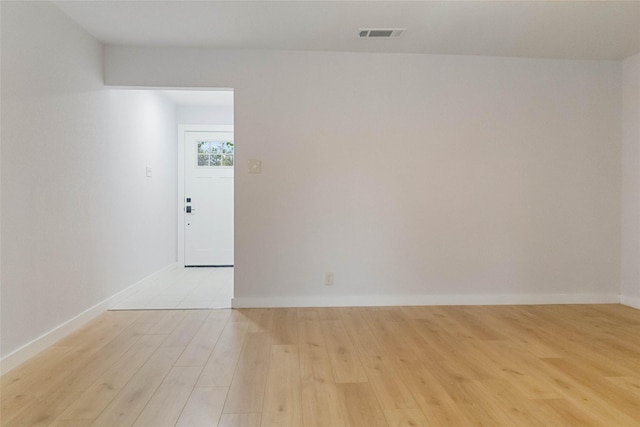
(328, 278)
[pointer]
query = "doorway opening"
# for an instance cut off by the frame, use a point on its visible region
(203, 276)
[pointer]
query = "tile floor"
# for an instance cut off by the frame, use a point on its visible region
(183, 288)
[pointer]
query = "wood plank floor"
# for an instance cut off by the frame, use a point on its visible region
(560, 365)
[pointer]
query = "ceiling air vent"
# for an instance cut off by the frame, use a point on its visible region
(380, 33)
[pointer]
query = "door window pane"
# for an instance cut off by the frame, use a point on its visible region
(215, 160)
(215, 153)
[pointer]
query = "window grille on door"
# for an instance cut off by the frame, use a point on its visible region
(215, 153)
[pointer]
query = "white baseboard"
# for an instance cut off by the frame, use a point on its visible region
(630, 301)
(398, 300)
(46, 340)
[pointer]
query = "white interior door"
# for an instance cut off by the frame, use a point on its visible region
(208, 191)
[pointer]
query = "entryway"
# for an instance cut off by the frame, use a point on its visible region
(203, 275)
(183, 288)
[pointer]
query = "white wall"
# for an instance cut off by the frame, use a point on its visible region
(630, 280)
(415, 178)
(80, 219)
(198, 115)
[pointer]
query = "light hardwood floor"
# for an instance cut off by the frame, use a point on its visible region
(563, 365)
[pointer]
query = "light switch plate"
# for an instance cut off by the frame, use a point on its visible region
(255, 166)
(149, 172)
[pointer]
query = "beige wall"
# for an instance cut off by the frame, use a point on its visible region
(414, 178)
(630, 284)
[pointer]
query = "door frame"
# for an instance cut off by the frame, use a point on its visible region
(181, 131)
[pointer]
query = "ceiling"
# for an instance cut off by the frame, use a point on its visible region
(547, 29)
